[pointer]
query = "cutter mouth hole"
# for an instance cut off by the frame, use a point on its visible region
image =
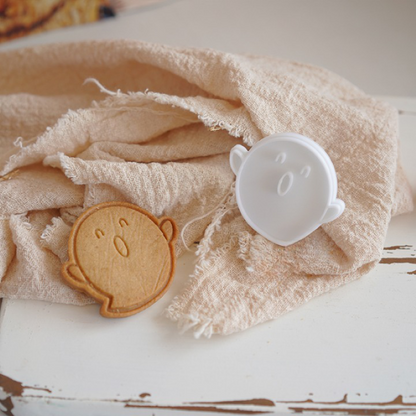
(285, 183)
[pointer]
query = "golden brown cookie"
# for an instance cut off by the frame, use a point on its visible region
(122, 256)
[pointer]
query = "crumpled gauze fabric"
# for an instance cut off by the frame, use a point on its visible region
(154, 125)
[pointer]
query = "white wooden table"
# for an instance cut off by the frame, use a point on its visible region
(352, 351)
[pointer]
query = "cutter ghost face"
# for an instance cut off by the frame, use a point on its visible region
(286, 187)
(122, 256)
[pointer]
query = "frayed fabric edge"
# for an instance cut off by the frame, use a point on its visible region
(201, 324)
(197, 321)
(176, 101)
(49, 230)
(27, 155)
(205, 119)
(62, 161)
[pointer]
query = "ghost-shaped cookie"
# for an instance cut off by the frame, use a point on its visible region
(286, 187)
(122, 256)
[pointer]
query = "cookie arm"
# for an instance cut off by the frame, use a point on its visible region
(169, 229)
(237, 155)
(335, 209)
(73, 275)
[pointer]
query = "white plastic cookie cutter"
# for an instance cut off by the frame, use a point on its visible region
(286, 187)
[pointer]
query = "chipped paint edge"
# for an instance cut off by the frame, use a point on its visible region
(15, 390)
(406, 259)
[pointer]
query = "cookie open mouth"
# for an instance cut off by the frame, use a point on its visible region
(121, 246)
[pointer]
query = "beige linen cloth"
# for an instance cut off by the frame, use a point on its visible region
(155, 129)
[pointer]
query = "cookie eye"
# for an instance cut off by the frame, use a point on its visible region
(123, 222)
(281, 157)
(306, 170)
(99, 233)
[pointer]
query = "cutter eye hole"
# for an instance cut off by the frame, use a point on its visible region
(280, 158)
(305, 172)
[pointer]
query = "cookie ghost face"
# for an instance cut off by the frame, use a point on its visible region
(122, 256)
(286, 187)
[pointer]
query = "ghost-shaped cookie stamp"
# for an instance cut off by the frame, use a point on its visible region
(122, 256)
(286, 187)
